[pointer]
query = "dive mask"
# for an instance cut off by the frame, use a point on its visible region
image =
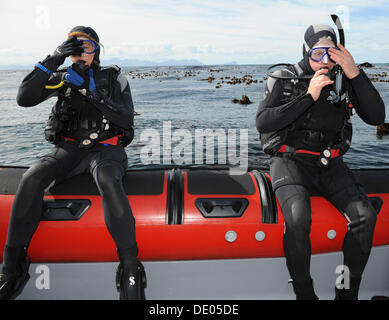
(321, 54)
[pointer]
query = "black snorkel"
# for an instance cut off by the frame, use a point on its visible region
(335, 95)
(338, 24)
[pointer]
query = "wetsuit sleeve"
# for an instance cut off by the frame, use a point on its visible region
(123, 97)
(275, 112)
(119, 109)
(367, 101)
(32, 90)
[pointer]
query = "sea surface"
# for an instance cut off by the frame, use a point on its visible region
(174, 104)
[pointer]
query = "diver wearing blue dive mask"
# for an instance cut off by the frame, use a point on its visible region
(90, 124)
(305, 127)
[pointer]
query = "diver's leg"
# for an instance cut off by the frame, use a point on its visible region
(117, 211)
(350, 199)
(14, 274)
(296, 209)
(25, 217)
(108, 173)
(357, 243)
(27, 206)
(291, 180)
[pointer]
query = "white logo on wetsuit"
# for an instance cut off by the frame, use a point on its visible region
(280, 179)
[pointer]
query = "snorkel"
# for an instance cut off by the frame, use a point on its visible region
(335, 95)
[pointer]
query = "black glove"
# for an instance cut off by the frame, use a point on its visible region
(126, 137)
(71, 47)
(81, 68)
(78, 76)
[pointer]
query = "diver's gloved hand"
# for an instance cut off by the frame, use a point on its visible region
(126, 136)
(71, 47)
(73, 79)
(80, 76)
(77, 74)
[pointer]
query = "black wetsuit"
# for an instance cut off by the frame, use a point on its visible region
(311, 126)
(107, 163)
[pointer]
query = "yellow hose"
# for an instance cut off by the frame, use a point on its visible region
(55, 87)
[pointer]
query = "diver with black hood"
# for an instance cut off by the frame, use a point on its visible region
(305, 127)
(90, 125)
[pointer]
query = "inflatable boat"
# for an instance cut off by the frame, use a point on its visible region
(183, 214)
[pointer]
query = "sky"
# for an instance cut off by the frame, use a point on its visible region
(210, 31)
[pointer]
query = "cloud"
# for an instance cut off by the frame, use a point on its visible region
(210, 31)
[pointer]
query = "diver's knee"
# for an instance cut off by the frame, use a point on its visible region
(298, 215)
(108, 177)
(361, 213)
(38, 176)
(362, 218)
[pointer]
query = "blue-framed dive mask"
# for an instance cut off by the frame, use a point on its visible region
(89, 46)
(321, 54)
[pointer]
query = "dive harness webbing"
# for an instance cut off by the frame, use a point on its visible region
(324, 157)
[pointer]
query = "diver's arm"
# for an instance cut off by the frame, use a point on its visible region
(366, 99)
(119, 109)
(33, 91)
(272, 115)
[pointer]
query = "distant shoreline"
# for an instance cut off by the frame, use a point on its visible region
(29, 67)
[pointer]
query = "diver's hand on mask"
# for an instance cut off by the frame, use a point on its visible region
(318, 82)
(344, 58)
(71, 47)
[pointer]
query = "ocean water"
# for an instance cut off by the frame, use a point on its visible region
(174, 103)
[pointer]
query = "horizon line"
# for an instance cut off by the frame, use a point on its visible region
(21, 66)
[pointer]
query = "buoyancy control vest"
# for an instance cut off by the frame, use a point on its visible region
(325, 125)
(74, 116)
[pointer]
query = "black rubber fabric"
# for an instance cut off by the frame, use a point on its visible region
(293, 183)
(14, 274)
(107, 164)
